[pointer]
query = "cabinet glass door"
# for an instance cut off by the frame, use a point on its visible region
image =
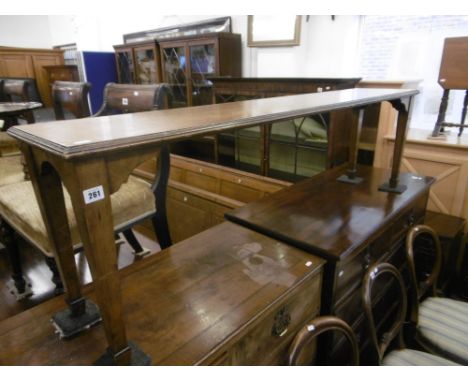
(126, 67)
(175, 66)
(146, 66)
(202, 64)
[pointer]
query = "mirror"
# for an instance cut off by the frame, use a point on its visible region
(277, 30)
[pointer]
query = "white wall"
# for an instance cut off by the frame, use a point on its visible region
(328, 48)
(25, 31)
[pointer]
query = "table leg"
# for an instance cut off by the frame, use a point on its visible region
(81, 313)
(89, 189)
(29, 116)
(402, 122)
(441, 116)
(216, 148)
(350, 177)
(265, 132)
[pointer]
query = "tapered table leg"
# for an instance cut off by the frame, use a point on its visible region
(402, 122)
(81, 313)
(265, 132)
(351, 176)
(90, 195)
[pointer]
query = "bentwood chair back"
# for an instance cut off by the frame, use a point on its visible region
(438, 324)
(383, 283)
(303, 344)
(15, 90)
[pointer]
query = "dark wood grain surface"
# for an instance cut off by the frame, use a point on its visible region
(87, 137)
(330, 218)
(185, 305)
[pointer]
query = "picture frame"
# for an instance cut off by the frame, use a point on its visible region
(271, 31)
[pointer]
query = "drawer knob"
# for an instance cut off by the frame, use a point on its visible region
(366, 261)
(282, 321)
(410, 219)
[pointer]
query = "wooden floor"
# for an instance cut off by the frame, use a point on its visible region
(36, 270)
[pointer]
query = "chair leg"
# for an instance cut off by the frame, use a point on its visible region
(135, 244)
(463, 116)
(159, 220)
(161, 228)
(19, 286)
(56, 279)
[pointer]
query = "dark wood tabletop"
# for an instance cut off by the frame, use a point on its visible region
(181, 305)
(326, 217)
(82, 137)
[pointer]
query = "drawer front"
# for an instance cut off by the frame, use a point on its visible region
(351, 310)
(349, 273)
(267, 341)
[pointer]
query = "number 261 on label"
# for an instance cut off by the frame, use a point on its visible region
(94, 194)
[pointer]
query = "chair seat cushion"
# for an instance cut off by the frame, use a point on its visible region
(7, 144)
(5, 139)
(410, 357)
(443, 325)
(11, 170)
(18, 206)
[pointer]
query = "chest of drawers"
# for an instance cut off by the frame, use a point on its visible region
(227, 296)
(352, 226)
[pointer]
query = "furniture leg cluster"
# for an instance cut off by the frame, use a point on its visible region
(342, 223)
(452, 76)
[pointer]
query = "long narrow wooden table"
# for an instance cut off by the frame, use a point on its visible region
(93, 157)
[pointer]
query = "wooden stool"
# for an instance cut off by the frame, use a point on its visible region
(453, 76)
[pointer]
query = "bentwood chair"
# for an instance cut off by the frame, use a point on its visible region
(438, 324)
(300, 350)
(383, 284)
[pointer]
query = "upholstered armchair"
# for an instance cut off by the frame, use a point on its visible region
(134, 202)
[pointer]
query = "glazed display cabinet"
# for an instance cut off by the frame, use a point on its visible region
(188, 63)
(138, 63)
